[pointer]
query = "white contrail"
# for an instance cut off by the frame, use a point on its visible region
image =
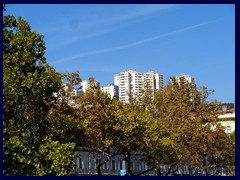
(125, 16)
(127, 45)
(138, 13)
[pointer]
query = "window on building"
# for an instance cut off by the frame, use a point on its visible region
(136, 166)
(89, 163)
(228, 129)
(144, 166)
(79, 163)
(140, 166)
(106, 165)
(95, 163)
(113, 165)
(120, 165)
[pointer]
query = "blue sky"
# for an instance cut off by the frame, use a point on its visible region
(103, 40)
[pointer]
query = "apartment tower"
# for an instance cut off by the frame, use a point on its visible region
(154, 79)
(112, 90)
(132, 82)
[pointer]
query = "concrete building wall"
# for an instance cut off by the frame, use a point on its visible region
(86, 164)
(123, 81)
(228, 121)
(111, 89)
(154, 79)
(132, 82)
(85, 85)
(187, 78)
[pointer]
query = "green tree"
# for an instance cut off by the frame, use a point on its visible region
(132, 129)
(231, 154)
(185, 110)
(30, 146)
(93, 108)
(157, 145)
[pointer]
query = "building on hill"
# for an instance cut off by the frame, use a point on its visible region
(112, 90)
(132, 82)
(86, 84)
(186, 77)
(154, 79)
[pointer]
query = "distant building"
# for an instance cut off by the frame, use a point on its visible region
(123, 80)
(132, 82)
(228, 121)
(186, 77)
(136, 83)
(112, 90)
(79, 91)
(72, 93)
(85, 85)
(155, 79)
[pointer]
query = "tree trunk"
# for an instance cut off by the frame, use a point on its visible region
(143, 172)
(129, 165)
(99, 170)
(159, 172)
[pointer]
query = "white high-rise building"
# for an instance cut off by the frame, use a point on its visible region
(186, 77)
(117, 79)
(132, 82)
(137, 80)
(111, 89)
(72, 93)
(85, 85)
(154, 79)
(123, 80)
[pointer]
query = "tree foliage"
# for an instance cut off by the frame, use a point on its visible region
(186, 111)
(30, 144)
(44, 124)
